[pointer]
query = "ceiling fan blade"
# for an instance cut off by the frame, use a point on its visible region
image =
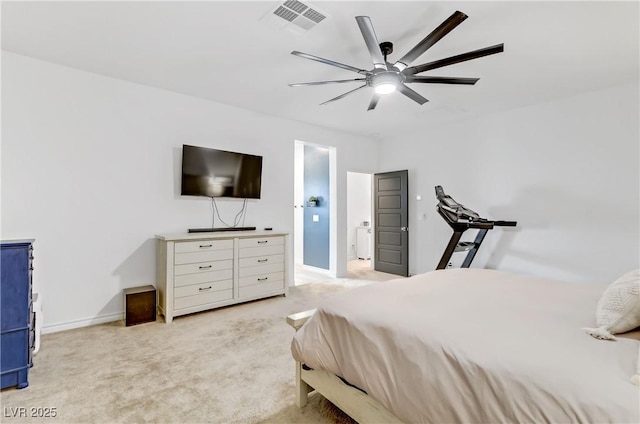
(343, 95)
(412, 94)
(329, 62)
(370, 39)
(300, 84)
(475, 54)
(374, 101)
(442, 80)
(446, 27)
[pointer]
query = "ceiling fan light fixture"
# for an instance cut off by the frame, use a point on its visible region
(385, 82)
(385, 88)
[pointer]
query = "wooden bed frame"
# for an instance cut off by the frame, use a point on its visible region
(355, 403)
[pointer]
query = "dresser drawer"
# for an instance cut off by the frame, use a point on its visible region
(202, 245)
(198, 289)
(210, 255)
(203, 277)
(262, 269)
(202, 267)
(261, 260)
(261, 279)
(202, 299)
(258, 290)
(15, 349)
(248, 252)
(259, 242)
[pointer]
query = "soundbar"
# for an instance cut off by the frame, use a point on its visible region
(215, 230)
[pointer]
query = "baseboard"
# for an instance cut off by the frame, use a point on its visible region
(70, 325)
(351, 258)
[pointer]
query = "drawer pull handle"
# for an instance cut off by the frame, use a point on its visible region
(204, 246)
(205, 267)
(263, 241)
(204, 288)
(263, 260)
(263, 279)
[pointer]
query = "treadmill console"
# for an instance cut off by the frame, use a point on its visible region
(454, 210)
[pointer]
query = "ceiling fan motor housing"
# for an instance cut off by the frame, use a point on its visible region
(380, 76)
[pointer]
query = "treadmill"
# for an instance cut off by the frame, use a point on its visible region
(460, 219)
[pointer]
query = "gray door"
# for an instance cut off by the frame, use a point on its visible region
(391, 206)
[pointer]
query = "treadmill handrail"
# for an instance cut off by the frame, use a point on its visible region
(464, 223)
(505, 223)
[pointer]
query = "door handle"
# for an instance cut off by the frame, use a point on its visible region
(404, 229)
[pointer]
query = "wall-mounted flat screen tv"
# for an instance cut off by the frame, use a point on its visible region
(219, 173)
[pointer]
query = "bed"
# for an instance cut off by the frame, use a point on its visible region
(466, 345)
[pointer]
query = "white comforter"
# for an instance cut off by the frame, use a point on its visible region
(475, 346)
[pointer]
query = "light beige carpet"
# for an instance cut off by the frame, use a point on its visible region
(231, 365)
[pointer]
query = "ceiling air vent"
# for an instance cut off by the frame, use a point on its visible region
(294, 15)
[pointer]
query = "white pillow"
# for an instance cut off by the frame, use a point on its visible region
(618, 309)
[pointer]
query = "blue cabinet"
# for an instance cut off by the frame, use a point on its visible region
(16, 313)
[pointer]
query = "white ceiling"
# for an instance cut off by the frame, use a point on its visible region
(225, 51)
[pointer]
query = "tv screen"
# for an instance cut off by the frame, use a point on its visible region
(219, 173)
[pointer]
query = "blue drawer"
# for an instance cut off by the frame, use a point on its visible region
(14, 357)
(15, 275)
(17, 378)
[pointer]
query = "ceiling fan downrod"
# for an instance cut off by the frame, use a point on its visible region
(386, 47)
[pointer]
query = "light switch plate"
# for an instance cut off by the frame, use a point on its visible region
(316, 218)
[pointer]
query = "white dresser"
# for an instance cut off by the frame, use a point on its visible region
(200, 271)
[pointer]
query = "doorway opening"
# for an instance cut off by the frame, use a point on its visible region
(359, 224)
(314, 212)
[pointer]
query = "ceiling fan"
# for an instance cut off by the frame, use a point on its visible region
(386, 78)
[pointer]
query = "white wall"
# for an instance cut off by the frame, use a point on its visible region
(567, 171)
(358, 207)
(90, 169)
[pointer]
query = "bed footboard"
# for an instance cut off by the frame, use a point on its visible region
(355, 403)
(302, 388)
(298, 320)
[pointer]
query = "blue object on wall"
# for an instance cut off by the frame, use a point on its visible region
(316, 183)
